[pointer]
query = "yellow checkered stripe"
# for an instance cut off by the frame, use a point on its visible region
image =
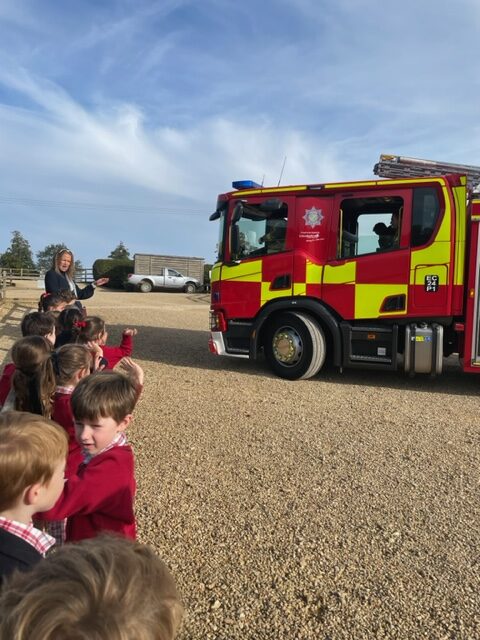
(216, 271)
(368, 297)
(313, 276)
(437, 255)
(460, 197)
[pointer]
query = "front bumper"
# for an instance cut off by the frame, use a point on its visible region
(216, 344)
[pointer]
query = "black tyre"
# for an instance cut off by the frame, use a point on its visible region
(190, 287)
(295, 346)
(145, 286)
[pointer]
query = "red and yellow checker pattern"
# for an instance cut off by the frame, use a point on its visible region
(357, 288)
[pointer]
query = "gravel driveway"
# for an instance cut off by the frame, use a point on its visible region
(342, 507)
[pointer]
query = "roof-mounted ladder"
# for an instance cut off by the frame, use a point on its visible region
(391, 166)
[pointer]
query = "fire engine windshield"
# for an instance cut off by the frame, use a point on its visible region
(258, 231)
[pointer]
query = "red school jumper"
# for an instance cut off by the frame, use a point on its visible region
(6, 381)
(62, 415)
(115, 354)
(99, 498)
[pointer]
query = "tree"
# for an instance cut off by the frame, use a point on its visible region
(45, 257)
(120, 252)
(19, 253)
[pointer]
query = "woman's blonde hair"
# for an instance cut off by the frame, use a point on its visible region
(31, 447)
(56, 259)
(34, 377)
(70, 359)
(104, 588)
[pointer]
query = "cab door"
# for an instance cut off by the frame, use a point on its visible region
(258, 264)
(367, 274)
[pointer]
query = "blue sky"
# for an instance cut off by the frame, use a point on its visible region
(123, 119)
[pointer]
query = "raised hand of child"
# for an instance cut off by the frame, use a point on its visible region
(133, 371)
(97, 356)
(130, 332)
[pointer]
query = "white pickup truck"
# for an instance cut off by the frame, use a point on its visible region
(166, 279)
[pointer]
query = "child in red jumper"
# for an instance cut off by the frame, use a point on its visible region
(92, 331)
(100, 497)
(71, 363)
(33, 324)
(33, 381)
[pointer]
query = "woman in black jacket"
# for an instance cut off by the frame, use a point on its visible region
(60, 277)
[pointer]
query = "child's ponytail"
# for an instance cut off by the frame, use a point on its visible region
(34, 378)
(68, 317)
(70, 359)
(90, 329)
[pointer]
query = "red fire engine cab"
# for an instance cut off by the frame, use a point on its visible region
(380, 274)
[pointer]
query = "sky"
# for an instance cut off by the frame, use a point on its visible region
(122, 120)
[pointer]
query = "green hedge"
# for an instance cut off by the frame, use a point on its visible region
(116, 270)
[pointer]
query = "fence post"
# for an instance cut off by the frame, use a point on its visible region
(3, 287)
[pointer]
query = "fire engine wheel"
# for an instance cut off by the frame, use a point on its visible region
(145, 286)
(295, 346)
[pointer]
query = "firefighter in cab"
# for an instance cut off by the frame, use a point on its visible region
(388, 237)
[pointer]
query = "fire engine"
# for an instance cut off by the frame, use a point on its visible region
(379, 274)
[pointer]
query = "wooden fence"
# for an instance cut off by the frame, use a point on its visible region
(9, 275)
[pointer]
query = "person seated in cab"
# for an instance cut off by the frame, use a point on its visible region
(388, 237)
(275, 237)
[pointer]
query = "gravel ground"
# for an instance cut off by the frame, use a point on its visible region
(342, 507)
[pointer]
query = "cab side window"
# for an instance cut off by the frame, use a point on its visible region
(369, 225)
(425, 215)
(259, 233)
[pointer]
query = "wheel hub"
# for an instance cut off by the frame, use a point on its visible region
(287, 346)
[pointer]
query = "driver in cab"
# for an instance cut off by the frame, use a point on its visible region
(275, 237)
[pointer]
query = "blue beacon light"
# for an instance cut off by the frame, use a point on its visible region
(245, 184)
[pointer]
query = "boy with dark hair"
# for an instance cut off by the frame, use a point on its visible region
(100, 497)
(39, 324)
(33, 453)
(107, 588)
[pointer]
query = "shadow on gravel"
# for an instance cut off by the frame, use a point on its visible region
(189, 348)
(183, 348)
(10, 319)
(452, 380)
